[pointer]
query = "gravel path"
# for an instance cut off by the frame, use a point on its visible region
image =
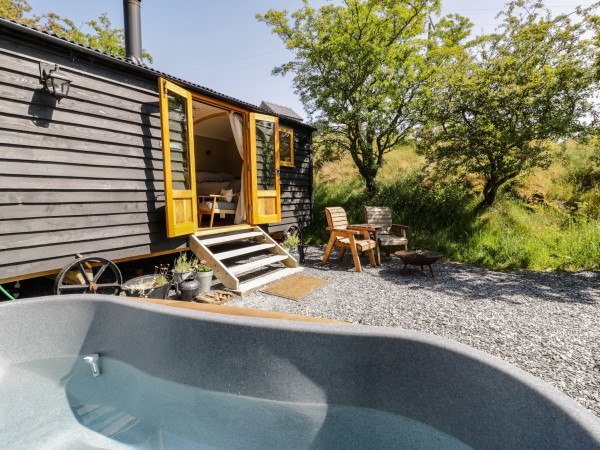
(547, 323)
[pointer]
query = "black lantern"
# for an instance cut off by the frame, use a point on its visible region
(56, 82)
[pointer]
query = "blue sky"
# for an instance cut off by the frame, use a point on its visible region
(221, 45)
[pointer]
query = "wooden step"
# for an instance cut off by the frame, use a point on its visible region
(229, 280)
(243, 251)
(256, 264)
(258, 282)
(230, 238)
(205, 232)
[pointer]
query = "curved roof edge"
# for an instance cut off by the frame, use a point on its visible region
(61, 41)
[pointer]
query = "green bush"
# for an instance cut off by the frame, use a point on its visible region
(510, 235)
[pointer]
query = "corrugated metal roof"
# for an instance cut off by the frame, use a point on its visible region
(280, 110)
(52, 37)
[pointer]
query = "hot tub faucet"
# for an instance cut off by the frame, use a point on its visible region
(92, 360)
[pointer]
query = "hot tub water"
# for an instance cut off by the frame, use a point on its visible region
(59, 402)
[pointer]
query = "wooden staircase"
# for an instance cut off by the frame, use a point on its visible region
(238, 255)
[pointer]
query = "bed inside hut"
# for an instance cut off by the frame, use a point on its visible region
(218, 160)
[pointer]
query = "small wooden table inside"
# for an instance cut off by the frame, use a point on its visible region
(419, 258)
(362, 227)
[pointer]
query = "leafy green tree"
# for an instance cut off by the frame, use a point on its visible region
(17, 10)
(104, 37)
(511, 93)
(363, 70)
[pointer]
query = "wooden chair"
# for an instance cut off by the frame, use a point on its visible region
(382, 216)
(213, 204)
(342, 236)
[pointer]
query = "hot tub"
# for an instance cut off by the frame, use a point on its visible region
(177, 378)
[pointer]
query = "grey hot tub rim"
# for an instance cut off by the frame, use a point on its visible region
(450, 386)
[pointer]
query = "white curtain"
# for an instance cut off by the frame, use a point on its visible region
(237, 127)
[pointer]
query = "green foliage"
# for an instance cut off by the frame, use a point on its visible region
(510, 93)
(443, 215)
(104, 37)
(350, 194)
(516, 237)
(183, 264)
(428, 206)
(17, 10)
(584, 168)
(425, 208)
(363, 70)
(160, 274)
(291, 241)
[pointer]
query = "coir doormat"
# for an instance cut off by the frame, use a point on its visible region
(295, 287)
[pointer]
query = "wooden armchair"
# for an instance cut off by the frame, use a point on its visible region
(342, 236)
(211, 205)
(382, 216)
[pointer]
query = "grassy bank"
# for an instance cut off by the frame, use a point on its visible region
(529, 227)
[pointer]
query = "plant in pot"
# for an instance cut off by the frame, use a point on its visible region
(150, 286)
(183, 268)
(290, 244)
(204, 274)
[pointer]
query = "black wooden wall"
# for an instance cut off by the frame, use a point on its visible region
(85, 175)
(296, 182)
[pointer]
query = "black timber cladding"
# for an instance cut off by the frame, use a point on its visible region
(296, 182)
(84, 175)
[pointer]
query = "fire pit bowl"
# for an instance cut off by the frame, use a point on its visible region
(419, 258)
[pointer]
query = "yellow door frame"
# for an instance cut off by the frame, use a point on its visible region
(263, 200)
(181, 207)
(253, 197)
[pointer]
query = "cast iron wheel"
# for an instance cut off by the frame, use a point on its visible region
(89, 275)
(294, 230)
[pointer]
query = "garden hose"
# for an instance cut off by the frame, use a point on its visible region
(6, 293)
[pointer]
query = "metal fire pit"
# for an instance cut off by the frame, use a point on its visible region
(418, 258)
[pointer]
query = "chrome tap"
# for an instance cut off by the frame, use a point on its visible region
(92, 360)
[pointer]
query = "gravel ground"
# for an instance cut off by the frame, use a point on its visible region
(547, 323)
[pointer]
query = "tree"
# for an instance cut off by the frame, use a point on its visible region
(17, 10)
(363, 70)
(104, 38)
(528, 83)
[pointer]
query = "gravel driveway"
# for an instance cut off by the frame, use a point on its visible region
(547, 323)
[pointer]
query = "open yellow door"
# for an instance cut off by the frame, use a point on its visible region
(264, 198)
(178, 152)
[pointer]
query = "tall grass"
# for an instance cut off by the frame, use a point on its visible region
(513, 234)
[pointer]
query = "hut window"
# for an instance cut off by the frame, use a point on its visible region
(286, 147)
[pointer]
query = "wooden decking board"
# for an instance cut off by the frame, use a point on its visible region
(230, 238)
(216, 230)
(256, 283)
(256, 264)
(237, 311)
(243, 251)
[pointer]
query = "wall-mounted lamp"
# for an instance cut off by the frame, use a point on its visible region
(56, 82)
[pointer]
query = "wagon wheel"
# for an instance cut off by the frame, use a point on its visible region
(293, 230)
(89, 275)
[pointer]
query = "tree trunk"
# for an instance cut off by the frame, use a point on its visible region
(366, 164)
(490, 190)
(371, 186)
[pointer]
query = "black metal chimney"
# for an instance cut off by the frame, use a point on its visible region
(133, 31)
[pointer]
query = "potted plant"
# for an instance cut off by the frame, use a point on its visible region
(150, 286)
(290, 244)
(183, 268)
(204, 275)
